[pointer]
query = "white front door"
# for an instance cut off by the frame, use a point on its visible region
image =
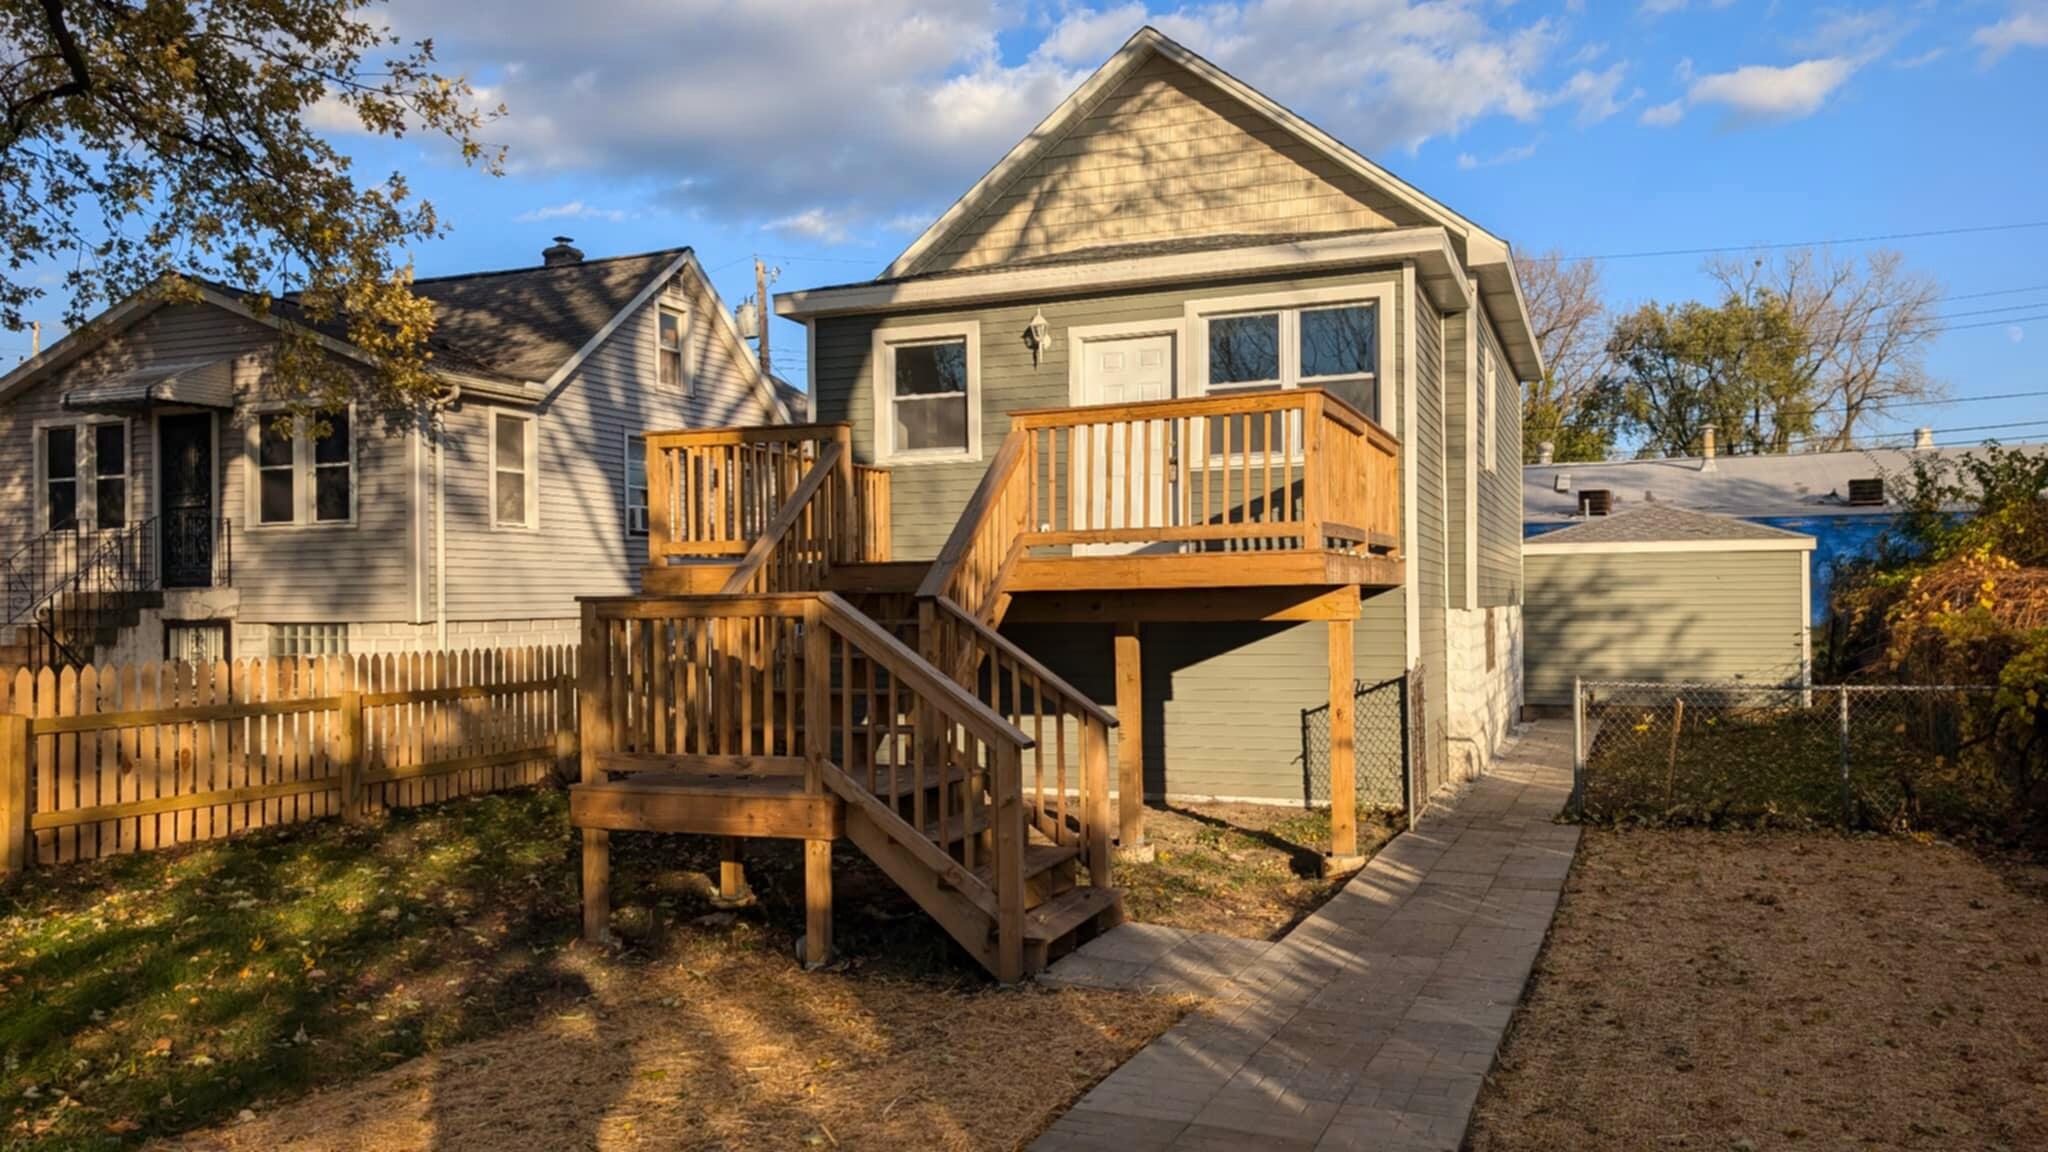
(1125, 484)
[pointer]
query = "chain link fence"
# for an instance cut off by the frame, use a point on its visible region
(1386, 714)
(1886, 757)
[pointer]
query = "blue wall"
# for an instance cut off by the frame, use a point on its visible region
(1834, 537)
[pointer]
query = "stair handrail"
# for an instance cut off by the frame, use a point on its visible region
(989, 534)
(128, 544)
(779, 561)
(952, 628)
(28, 580)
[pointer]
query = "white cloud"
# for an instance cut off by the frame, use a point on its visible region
(862, 110)
(1663, 115)
(1598, 94)
(1763, 92)
(2025, 26)
(1922, 60)
(573, 210)
(1515, 155)
(2015, 333)
(814, 224)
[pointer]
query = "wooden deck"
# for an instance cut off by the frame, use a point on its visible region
(783, 675)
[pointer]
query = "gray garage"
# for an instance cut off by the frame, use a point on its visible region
(1661, 593)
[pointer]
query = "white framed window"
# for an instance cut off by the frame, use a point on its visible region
(636, 485)
(671, 330)
(294, 640)
(928, 393)
(514, 501)
(1332, 338)
(81, 474)
(301, 478)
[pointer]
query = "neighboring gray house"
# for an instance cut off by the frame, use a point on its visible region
(1660, 593)
(1169, 233)
(136, 444)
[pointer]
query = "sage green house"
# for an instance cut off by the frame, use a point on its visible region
(1169, 233)
(1663, 593)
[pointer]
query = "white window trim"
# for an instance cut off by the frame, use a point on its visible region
(302, 475)
(87, 479)
(1195, 362)
(885, 342)
(531, 454)
(626, 456)
(681, 311)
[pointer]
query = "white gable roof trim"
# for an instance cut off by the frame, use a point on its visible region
(1429, 248)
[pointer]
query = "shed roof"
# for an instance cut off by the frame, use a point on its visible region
(1663, 523)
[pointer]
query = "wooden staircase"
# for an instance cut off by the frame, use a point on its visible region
(774, 707)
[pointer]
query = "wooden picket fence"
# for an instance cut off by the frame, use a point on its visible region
(100, 761)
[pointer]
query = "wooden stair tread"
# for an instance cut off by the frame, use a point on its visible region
(1039, 858)
(1068, 911)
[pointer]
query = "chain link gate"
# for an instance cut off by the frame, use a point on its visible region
(1387, 715)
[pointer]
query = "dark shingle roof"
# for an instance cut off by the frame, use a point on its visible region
(524, 323)
(1662, 522)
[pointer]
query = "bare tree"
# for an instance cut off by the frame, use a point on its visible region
(1868, 324)
(1570, 406)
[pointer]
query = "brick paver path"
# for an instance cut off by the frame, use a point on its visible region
(1371, 1025)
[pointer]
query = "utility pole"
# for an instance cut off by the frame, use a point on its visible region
(761, 311)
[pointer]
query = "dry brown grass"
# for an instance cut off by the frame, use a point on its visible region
(729, 1046)
(1248, 870)
(1780, 991)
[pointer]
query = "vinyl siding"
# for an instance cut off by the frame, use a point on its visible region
(1426, 440)
(173, 332)
(928, 497)
(1662, 616)
(1224, 702)
(1458, 454)
(1500, 490)
(580, 546)
(1165, 155)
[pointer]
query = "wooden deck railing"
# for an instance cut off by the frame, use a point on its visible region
(805, 685)
(713, 492)
(1069, 756)
(1296, 469)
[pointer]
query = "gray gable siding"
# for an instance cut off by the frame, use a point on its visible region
(581, 547)
(1662, 616)
(928, 497)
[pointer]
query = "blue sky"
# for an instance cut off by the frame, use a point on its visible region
(825, 135)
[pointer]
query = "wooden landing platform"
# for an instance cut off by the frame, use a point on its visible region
(708, 804)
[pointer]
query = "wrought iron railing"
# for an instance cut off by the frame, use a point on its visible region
(61, 585)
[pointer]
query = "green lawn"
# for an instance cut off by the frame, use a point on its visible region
(151, 994)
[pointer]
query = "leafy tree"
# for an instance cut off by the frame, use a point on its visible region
(1738, 367)
(1867, 323)
(1575, 406)
(145, 141)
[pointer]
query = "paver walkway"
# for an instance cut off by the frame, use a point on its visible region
(1371, 1025)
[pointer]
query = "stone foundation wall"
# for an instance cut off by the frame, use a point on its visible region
(1484, 699)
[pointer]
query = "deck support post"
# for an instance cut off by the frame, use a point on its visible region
(817, 950)
(1130, 739)
(732, 873)
(1343, 750)
(597, 885)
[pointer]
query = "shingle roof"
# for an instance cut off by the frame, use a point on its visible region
(1803, 484)
(1171, 246)
(524, 323)
(1662, 522)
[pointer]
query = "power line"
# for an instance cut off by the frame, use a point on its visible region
(1961, 400)
(1923, 235)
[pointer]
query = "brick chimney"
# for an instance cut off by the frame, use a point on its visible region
(1707, 448)
(1546, 452)
(562, 252)
(1923, 439)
